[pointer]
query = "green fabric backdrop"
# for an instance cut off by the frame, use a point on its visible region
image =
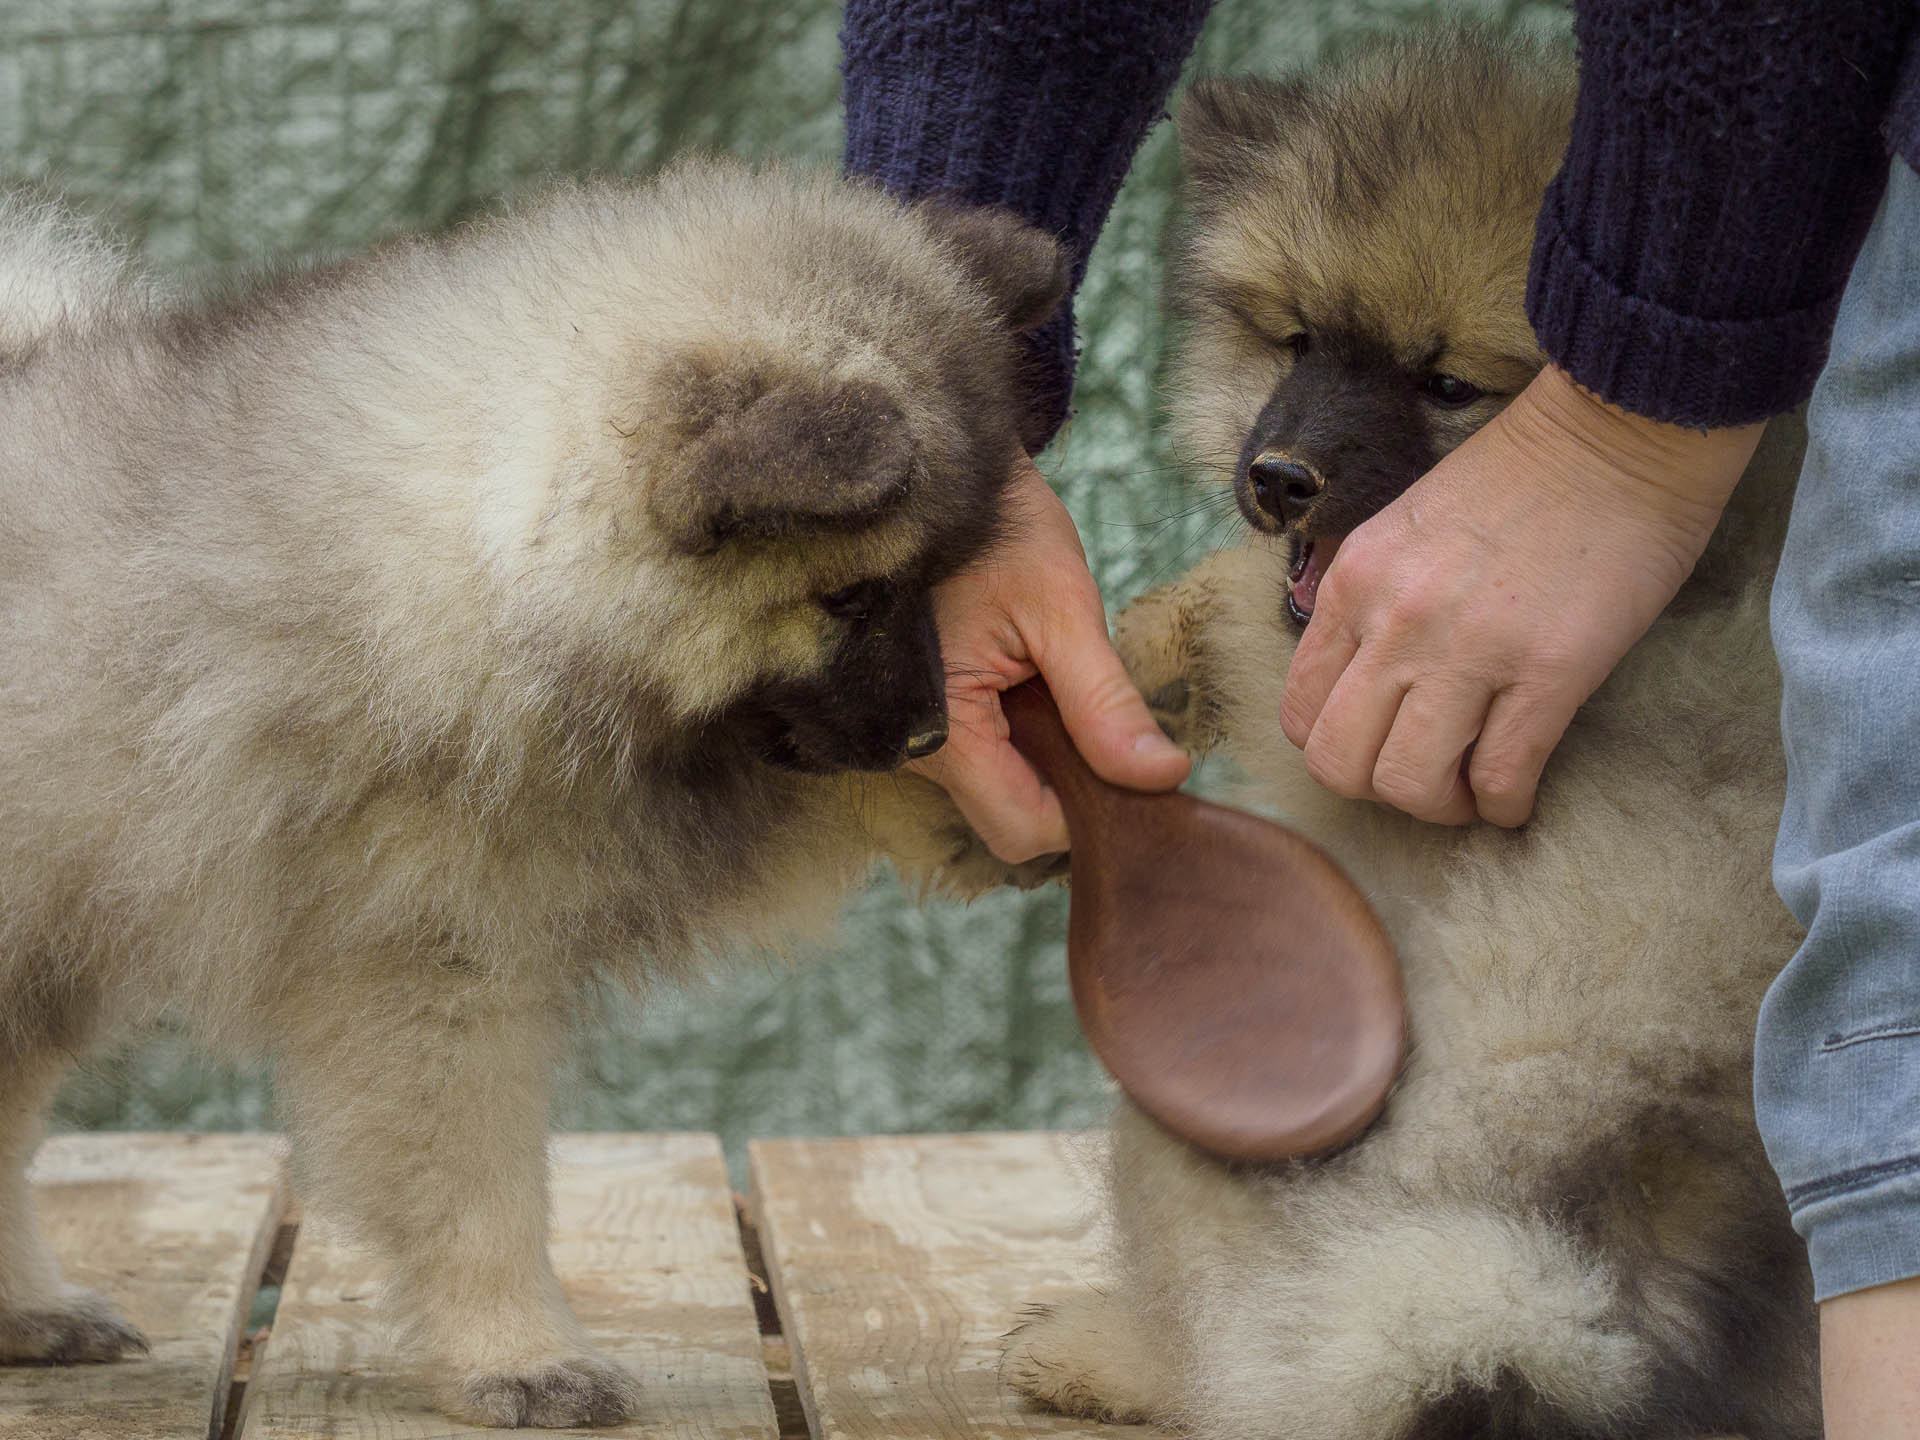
(223, 132)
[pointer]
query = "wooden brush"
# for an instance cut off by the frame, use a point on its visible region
(1228, 975)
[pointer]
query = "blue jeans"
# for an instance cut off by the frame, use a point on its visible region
(1837, 1063)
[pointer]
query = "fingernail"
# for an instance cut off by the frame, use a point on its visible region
(1150, 743)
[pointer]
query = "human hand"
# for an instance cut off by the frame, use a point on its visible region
(1028, 607)
(1482, 607)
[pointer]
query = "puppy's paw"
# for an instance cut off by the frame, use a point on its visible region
(1083, 1358)
(556, 1394)
(934, 849)
(80, 1328)
(1159, 640)
(971, 869)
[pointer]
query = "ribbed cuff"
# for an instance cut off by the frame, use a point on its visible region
(1660, 363)
(1032, 106)
(1723, 167)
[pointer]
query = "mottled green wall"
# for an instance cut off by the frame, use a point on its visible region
(222, 132)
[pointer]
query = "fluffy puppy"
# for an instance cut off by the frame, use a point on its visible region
(393, 651)
(1563, 1225)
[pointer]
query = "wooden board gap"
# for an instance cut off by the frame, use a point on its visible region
(256, 1321)
(760, 1288)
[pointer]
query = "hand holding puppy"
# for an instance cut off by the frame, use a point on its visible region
(1457, 631)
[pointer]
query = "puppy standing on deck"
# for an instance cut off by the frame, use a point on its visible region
(1563, 1225)
(393, 651)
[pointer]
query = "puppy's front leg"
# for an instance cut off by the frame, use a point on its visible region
(419, 1116)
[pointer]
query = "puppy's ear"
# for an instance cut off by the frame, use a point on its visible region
(1226, 121)
(755, 456)
(1022, 269)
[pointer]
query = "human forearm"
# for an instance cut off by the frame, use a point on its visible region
(1033, 105)
(1870, 1363)
(1723, 167)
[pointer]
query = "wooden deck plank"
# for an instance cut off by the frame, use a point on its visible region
(899, 1262)
(648, 1252)
(173, 1229)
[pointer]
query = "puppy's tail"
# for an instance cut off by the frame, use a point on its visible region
(59, 271)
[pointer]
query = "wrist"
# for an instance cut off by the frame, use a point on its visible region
(1672, 466)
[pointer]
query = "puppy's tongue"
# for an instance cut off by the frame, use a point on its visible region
(1304, 584)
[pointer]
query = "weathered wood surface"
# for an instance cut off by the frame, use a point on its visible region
(648, 1252)
(172, 1229)
(899, 1262)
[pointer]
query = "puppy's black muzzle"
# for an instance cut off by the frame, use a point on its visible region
(1283, 487)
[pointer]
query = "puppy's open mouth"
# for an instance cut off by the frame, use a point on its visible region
(1310, 563)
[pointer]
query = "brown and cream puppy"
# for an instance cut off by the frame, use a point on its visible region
(1563, 1224)
(393, 651)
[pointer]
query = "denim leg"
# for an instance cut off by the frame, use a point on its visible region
(1837, 1061)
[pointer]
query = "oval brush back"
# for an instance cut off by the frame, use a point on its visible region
(1233, 981)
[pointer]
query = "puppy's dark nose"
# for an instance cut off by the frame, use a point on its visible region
(925, 742)
(1282, 487)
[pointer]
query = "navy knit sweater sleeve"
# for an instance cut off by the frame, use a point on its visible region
(1037, 105)
(1725, 162)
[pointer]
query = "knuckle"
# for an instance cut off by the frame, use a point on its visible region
(1412, 609)
(1361, 559)
(1497, 782)
(1068, 617)
(1399, 782)
(1336, 772)
(1110, 690)
(1297, 719)
(1508, 767)
(1298, 732)
(1503, 795)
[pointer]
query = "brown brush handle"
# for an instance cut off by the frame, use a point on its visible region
(1038, 733)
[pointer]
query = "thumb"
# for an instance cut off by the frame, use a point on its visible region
(1109, 722)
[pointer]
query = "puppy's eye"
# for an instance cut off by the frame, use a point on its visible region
(1450, 390)
(855, 602)
(1296, 344)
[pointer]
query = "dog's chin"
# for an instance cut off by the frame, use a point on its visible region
(780, 742)
(785, 751)
(1311, 556)
(770, 739)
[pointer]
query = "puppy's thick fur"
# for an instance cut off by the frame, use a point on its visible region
(395, 650)
(1563, 1225)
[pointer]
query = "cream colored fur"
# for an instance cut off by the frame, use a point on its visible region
(58, 270)
(1563, 1224)
(1571, 1144)
(354, 708)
